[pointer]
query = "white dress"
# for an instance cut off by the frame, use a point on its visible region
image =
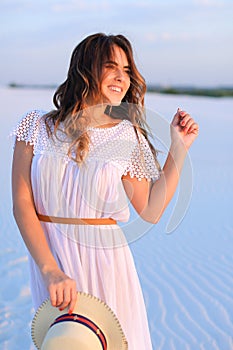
(97, 257)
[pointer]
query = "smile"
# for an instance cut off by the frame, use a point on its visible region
(115, 88)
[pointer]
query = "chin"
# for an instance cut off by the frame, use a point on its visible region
(115, 103)
(110, 100)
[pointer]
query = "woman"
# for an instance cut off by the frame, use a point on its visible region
(83, 160)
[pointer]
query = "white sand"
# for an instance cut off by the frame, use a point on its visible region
(187, 276)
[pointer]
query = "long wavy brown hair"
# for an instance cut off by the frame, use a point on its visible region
(83, 84)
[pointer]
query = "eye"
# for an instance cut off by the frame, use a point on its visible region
(109, 65)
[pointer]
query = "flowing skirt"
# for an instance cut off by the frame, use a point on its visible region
(100, 261)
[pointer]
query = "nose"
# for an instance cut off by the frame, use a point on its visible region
(120, 75)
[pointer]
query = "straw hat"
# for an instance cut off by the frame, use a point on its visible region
(91, 326)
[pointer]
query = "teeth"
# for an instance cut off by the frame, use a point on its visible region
(115, 88)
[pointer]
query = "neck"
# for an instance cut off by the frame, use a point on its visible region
(98, 117)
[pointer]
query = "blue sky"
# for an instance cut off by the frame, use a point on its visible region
(175, 42)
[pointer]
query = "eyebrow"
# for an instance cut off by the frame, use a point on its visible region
(115, 64)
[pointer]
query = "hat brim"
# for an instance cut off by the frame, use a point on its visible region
(88, 306)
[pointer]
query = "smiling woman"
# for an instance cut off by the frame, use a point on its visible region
(110, 78)
(115, 77)
(74, 170)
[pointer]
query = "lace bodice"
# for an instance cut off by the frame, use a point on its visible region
(118, 144)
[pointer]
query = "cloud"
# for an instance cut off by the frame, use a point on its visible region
(81, 5)
(166, 36)
(210, 3)
(15, 5)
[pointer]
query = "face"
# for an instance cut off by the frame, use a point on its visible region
(115, 77)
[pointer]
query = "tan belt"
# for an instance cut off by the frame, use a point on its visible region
(76, 221)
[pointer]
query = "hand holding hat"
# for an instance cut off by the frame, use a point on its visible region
(91, 326)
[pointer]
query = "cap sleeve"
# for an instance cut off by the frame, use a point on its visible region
(28, 127)
(142, 163)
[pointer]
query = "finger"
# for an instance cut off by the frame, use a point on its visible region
(73, 300)
(179, 118)
(176, 118)
(185, 119)
(53, 295)
(188, 124)
(66, 299)
(60, 296)
(194, 129)
(182, 113)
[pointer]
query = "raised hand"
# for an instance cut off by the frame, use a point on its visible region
(183, 128)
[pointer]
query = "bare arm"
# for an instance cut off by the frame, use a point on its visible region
(150, 201)
(61, 288)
